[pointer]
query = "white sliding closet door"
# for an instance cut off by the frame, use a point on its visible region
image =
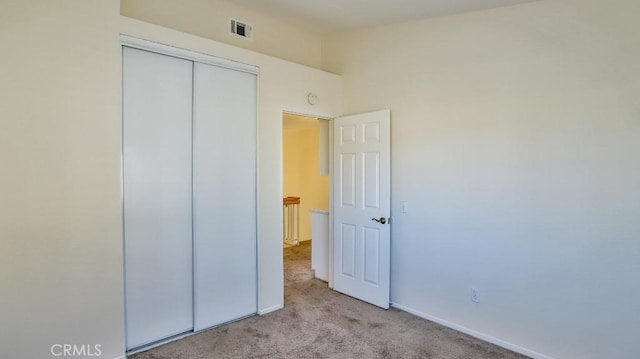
(157, 113)
(225, 195)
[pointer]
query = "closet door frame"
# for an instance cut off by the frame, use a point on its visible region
(142, 44)
(196, 57)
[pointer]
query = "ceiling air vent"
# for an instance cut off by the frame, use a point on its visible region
(241, 29)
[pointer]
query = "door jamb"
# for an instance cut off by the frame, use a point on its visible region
(329, 118)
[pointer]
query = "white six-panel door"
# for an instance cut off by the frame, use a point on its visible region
(361, 205)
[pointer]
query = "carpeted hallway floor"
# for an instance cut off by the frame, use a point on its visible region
(317, 322)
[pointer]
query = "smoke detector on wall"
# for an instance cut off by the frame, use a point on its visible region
(241, 29)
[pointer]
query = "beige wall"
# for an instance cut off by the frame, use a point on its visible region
(60, 198)
(302, 177)
(515, 141)
(60, 190)
(210, 19)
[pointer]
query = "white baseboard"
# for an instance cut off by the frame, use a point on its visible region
(270, 309)
(473, 333)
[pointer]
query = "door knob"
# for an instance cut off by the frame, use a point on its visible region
(381, 220)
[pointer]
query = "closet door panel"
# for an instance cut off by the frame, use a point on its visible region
(225, 195)
(157, 112)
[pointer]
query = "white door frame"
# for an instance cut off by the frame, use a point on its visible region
(330, 119)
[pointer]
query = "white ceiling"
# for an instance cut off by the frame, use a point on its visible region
(326, 16)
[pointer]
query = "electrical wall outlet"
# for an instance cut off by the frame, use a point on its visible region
(475, 295)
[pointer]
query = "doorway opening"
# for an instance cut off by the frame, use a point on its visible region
(306, 202)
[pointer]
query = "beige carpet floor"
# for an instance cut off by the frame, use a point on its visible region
(317, 322)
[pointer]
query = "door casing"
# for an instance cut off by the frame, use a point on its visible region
(331, 119)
